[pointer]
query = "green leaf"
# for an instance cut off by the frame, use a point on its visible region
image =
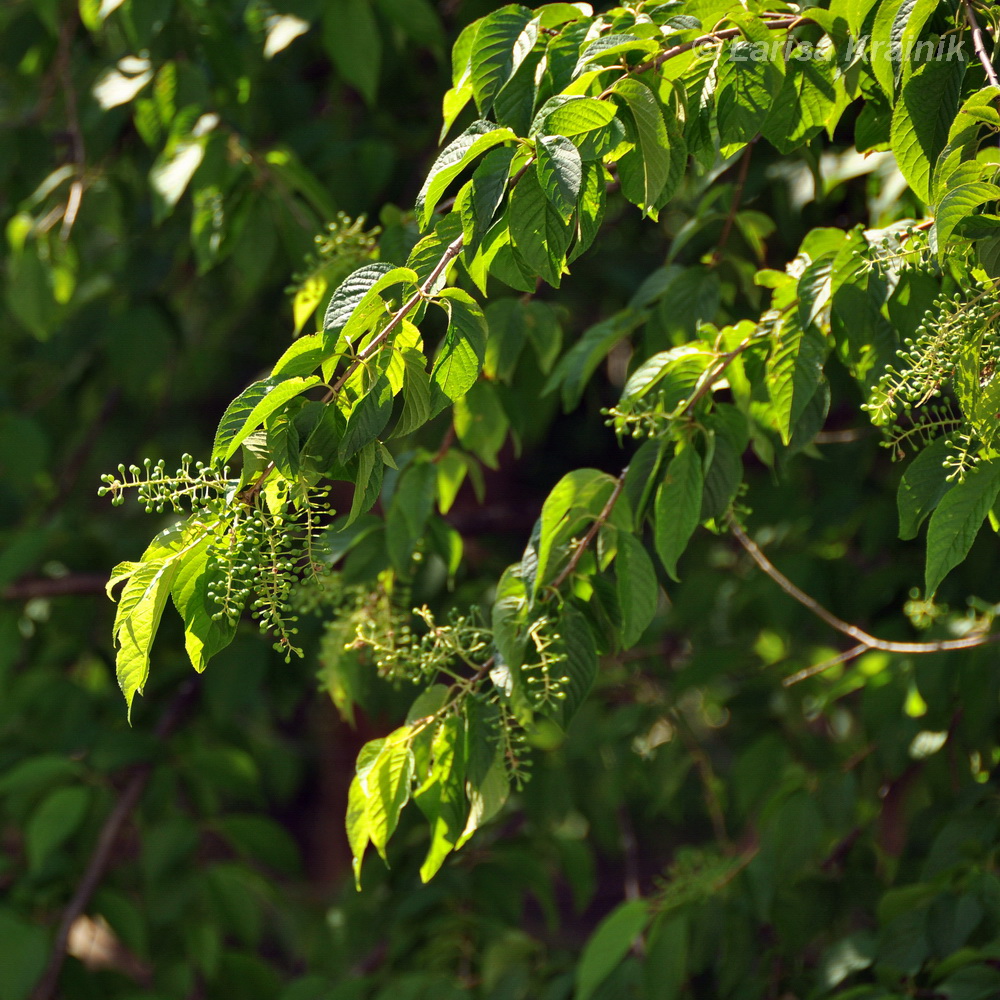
(956, 206)
(666, 956)
(572, 116)
(303, 356)
(748, 85)
(252, 407)
(572, 505)
(609, 944)
(412, 503)
(479, 137)
(794, 371)
(488, 187)
(486, 783)
(141, 605)
(804, 104)
(53, 822)
(385, 782)
(922, 118)
(956, 521)
(501, 44)
(416, 393)
(418, 19)
(580, 362)
(638, 591)
(203, 637)
(357, 302)
(24, 948)
(358, 826)
(590, 211)
(538, 232)
(923, 485)
(897, 27)
(426, 254)
(369, 481)
(581, 661)
(441, 797)
(481, 423)
(677, 507)
(509, 618)
(368, 418)
(508, 321)
(460, 357)
(354, 42)
(560, 173)
(653, 149)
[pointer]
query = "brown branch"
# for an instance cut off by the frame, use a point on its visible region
(106, 840)
(780, 24)
(864, 640)
(734, 206)
(446, 442)
(60, 586)
(599, 522)
(979, 45)
(77, 149)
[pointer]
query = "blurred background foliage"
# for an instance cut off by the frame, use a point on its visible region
(166, 168)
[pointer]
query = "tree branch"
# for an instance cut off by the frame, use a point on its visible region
(58, 586)
(454, 249)
(979, 45)
(77, 149)
(864, 640)
(106, 840)
(734, 205)
(591, 532)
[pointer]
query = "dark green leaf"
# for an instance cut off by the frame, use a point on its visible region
(560, 173)
(678, 507)
(638, 591)
(501, 44)
(923, 485)
(956, 520)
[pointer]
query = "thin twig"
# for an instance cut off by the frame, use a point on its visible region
(715, 36)
(734, 205)
(77, 149)
(446, 442)
(106, 840)
(819, 668)
(726, 359)
(599, 522)
(864, 640)
(979, 45)
(59, 586)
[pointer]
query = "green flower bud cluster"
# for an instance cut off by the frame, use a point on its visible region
(544, 672)
(953, 326)
(194, 484)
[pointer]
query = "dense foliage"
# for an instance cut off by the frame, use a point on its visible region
(689, 287)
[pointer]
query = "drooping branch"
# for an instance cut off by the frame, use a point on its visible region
(864, 640)
(979, 45)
